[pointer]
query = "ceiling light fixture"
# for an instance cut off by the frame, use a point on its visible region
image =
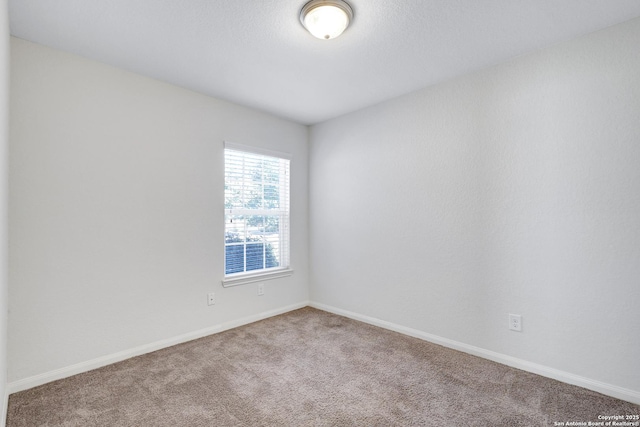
(326, 19)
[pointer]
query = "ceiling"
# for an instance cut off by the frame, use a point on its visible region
(256, 52)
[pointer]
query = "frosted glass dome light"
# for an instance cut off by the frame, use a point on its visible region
(326, 19)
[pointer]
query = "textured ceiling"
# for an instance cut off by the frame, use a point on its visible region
(256, 52)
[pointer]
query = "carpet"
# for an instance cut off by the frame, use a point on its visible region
(308, 368)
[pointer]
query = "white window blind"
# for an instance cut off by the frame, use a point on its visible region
(256, 212)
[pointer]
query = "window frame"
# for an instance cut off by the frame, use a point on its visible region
(259, 275)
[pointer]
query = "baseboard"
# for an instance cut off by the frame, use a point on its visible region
(261, 316)
(598, 386)
(5, 405)
(40, 379)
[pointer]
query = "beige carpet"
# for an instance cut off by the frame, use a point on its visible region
(308, 368)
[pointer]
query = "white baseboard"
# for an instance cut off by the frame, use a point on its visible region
(5, 405)
(99, 362)
(260, 316)
(598, 386)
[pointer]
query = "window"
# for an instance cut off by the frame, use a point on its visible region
(256, 191)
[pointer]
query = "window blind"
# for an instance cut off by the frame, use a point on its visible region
(256, 212)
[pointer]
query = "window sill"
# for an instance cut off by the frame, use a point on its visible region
(256, 277)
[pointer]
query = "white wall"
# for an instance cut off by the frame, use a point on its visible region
(516, 189)
(4, 137)
(512, 190)
(116, 210)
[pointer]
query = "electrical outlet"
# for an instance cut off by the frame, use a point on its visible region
(515, 322)
(260, 289)
(211, 298)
